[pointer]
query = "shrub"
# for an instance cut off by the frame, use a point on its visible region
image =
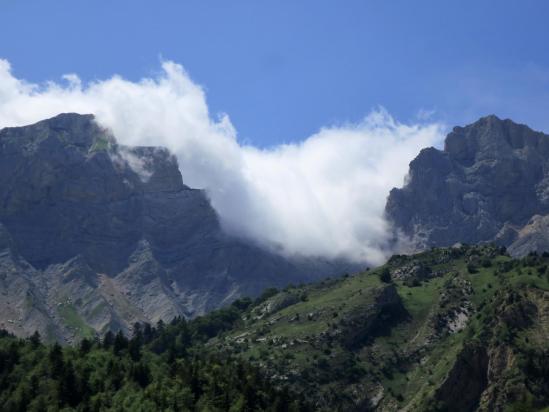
(385, 275)
(268, 293)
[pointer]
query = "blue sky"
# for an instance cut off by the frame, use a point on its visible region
(284, 69)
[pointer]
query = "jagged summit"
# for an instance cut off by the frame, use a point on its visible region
(79, 130)
(489, 181)
(493, 138)
(68, 189)
(95, 236)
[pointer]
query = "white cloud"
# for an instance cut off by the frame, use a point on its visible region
(324, 196)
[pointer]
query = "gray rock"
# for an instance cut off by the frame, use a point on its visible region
(486, 185)
(534, 236)
(102, 236)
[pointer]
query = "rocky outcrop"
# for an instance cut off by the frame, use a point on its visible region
(498, 370)
(489, 183)
(534, 236)
(365, 324)
(466, 381)
(95, 236)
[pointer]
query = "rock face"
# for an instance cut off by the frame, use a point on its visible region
(462, 388)
(489, 184)
(363, 326)
(95, 236)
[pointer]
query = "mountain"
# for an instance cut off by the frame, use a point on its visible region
(95, 236)
(458, 329)
(490, 183)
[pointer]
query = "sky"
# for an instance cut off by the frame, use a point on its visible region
(296, 117)
(284, 69)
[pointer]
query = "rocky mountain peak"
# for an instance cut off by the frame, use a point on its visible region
(487, 183)
(491, 138)
(79, 131)
(68, 188)
(95, 236)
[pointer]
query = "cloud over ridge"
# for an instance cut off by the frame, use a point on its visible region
(323, 196)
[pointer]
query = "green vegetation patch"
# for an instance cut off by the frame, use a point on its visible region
(74, 322)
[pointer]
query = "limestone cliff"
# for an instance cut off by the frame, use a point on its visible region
(490, 183)
(96, 236)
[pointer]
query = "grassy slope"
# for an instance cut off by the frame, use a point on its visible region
(301, 344)
(74, 322)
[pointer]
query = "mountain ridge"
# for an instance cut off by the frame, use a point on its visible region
(103, 235)
(490, 183)
(460, 328)
(449, 329)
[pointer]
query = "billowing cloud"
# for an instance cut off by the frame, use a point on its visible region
(324, 196)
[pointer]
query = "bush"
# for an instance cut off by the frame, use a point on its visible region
(385, 275)
(268, 293)
(412, 282)
(242, 303)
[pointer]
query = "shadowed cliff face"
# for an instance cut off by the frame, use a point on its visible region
(101, 235)
(67, 189)
(490, 183)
